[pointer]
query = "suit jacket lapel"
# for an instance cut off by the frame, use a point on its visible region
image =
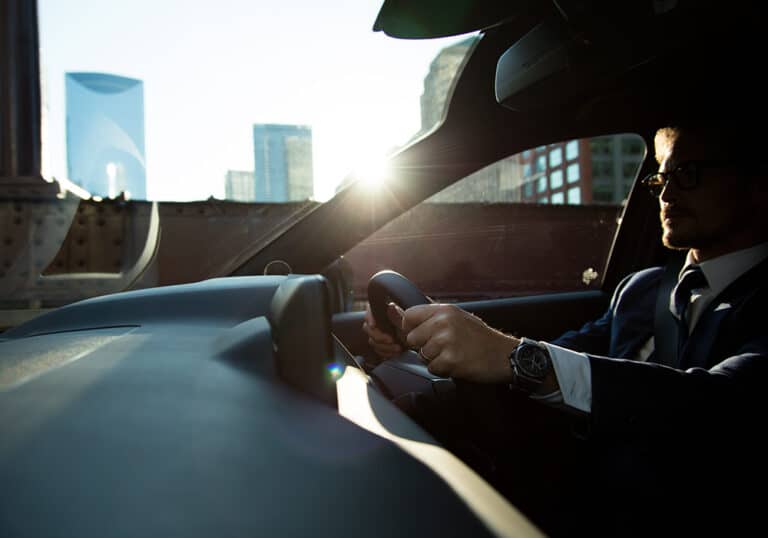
(702, 340)
(699, 345)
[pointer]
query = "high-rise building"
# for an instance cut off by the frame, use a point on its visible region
(105, 134)
(239, 185)
(439, 81)
(283, 162)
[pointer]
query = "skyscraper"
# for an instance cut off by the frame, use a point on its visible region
(439, 81)
(105, 134)
(283, 162)
(239, 186)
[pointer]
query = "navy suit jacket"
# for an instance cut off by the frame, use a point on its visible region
(726, 352)
(684, 439)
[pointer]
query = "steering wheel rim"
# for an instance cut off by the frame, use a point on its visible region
(390, 286)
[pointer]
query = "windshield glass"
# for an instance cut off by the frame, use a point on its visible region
(177, 137)
(251, 101)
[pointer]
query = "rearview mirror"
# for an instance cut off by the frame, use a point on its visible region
(539, 54)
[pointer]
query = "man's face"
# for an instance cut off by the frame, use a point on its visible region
(707, 216)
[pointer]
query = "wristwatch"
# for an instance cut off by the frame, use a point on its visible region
(531, 364)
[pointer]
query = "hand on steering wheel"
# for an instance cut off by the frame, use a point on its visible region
(383, 321)
(385, 345)
(387, 287)
(454, 342)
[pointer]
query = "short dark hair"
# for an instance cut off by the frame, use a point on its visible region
(727, 138)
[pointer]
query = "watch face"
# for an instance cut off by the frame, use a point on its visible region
(533, 361)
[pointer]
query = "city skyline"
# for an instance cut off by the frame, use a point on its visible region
(256, 64)
(105, 151)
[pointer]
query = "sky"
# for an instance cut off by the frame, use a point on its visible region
(213, 69)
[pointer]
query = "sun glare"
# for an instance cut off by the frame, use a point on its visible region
(373, 173)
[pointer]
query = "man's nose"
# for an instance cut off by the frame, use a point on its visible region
(669, 192)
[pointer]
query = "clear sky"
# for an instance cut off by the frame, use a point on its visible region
(213, 69)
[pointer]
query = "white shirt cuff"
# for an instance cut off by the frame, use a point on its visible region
(574, 375)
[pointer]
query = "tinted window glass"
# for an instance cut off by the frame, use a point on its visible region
(471, 235)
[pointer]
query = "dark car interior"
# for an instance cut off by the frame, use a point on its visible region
(253, 404)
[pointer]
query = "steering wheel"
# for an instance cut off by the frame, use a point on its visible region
(406, 374)
(390, 286)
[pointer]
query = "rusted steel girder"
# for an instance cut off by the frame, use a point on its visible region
(20, 153)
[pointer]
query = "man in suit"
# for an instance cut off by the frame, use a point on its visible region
(674, 396)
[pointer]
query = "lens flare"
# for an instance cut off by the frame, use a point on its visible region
(335, 369)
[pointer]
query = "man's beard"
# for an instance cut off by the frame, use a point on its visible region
(674, 241)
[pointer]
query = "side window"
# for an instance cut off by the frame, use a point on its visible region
(541, 221)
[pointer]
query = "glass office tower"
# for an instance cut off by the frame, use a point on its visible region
(105, 134)
(283, 162)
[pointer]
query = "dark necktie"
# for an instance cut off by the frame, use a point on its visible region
(692, 279)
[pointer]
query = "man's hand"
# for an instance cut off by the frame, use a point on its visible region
(458, 344)
(382, 343)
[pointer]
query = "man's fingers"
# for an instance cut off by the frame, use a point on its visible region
(419, 324)
(395, 314)
(383, 344)
(385, 350)
(416, 315)
(377, 334)
(439, 367)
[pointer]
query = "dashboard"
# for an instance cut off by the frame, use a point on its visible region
(224, 406)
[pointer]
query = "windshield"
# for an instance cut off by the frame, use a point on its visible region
(176, 137)
(251, 101)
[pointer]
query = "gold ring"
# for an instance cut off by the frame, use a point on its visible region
(422, 355)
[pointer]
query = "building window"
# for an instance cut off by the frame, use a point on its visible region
(602, 145)
(629, 169)
(574, 196)
(556, 179)
(541, 164)
(527, 170)
(528, 189)
(542, 184)
(632, 145)
(573, 172)
(572, 150)
(603, 191)
(543, 200)
(602, 169)
(555, 157)
(558, 198)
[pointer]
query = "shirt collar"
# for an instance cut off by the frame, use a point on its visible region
(725, 269)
